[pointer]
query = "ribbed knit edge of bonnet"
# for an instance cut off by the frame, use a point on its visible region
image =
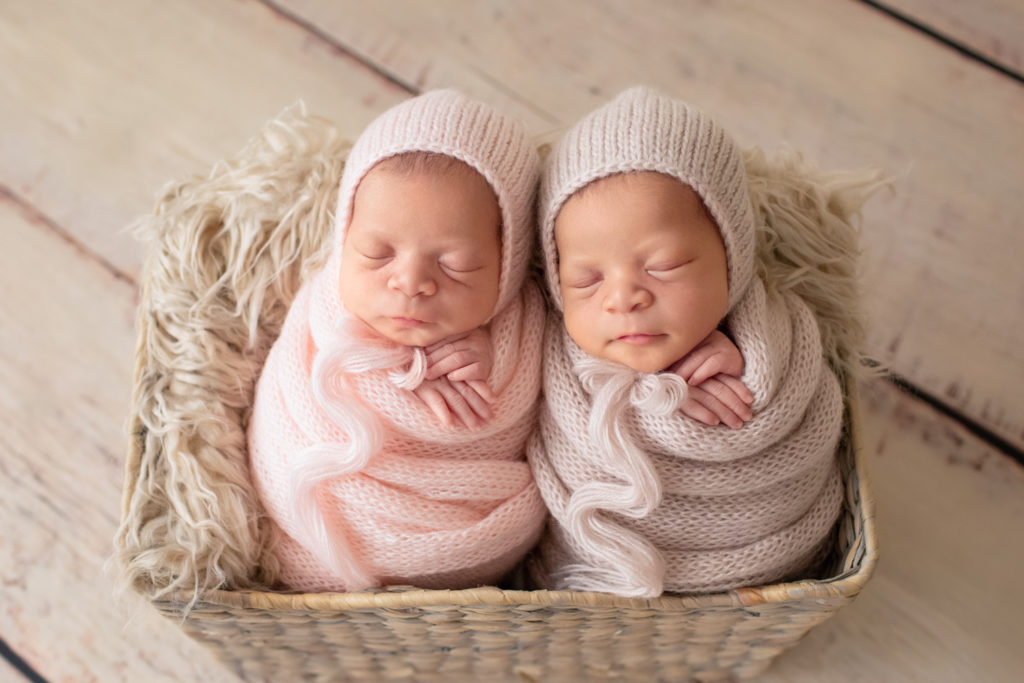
(449, 123)
(645, 130)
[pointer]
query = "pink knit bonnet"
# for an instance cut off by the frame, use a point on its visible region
(645, 130)
(496, 146)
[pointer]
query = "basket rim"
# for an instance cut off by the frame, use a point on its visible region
(845, 585)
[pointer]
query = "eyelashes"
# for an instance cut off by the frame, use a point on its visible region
(663, 272)
(459, 268)
(453, 269)
(585, 281)
(589, 279)
(669, 266)
(375, 261)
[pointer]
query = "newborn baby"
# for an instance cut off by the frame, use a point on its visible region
(647, 231)
(388, 433)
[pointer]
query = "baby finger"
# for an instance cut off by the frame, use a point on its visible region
(725, 394)
(469, 372)
(738, 387)
(476, 402)
(484, 390)
(439, 366)
(717, 408)
(693, 409)
(432, 398)
(459, 405)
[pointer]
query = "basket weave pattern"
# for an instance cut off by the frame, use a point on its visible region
(204, 368)
(494, 634)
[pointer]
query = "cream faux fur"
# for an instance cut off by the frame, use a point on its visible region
(226, 254)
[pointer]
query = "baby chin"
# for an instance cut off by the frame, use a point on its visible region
(641, 352)
(409, 331)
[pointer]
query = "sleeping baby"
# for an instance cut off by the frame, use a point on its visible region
(648, 237)
(387, 439)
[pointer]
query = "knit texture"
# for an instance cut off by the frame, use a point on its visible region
(643, 499)
(646, 500)
(643, 130)
(366, 485)
(496, 146)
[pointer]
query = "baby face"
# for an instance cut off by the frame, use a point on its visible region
(642, 270)
(422, 252)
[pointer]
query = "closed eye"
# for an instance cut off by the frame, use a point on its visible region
(460, 268)
(375, 255)
(585, 282)
(667, 267)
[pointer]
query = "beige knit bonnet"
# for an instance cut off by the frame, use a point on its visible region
(496, 146)
(645, 130)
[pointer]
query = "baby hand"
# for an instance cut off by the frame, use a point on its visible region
(716, 394)
(720, 399)
(467, 402)
(464, 357)
(715, 355)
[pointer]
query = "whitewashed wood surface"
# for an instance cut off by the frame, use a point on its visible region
(841, 82)
(103, 102)
(992, 28)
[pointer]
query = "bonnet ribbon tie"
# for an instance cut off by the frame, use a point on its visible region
(624, 559)
(345, 356)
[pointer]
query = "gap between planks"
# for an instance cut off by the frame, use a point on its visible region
(35, 217)
(945, 38)
(328, 39)
(18, 664)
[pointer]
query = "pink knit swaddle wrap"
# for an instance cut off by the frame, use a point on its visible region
(643, 499)
(366, 484)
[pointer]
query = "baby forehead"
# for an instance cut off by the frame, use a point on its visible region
(412, 165)
(633, 212)
(424, 197)
(654, 184)
(639, 199)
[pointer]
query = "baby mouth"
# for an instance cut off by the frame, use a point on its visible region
(403, 321)
(638, 339)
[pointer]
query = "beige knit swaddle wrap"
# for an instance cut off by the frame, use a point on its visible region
(643, 499)
(706, 508)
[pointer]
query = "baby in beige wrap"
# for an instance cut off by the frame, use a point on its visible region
(648, 237)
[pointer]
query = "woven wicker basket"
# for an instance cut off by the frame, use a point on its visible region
(480, 634)
(494, 634)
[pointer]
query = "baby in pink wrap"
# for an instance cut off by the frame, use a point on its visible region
(388, 433)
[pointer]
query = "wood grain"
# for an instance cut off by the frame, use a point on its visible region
(66, 331)
(841, 82)
(112, 99)
(950, 509)
(950, 519)
(105, 101)
(993, 29)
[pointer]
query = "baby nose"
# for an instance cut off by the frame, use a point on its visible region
(625, 296)
(413, 279)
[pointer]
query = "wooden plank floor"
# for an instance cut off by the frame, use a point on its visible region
(992, 29)
(103, 102)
